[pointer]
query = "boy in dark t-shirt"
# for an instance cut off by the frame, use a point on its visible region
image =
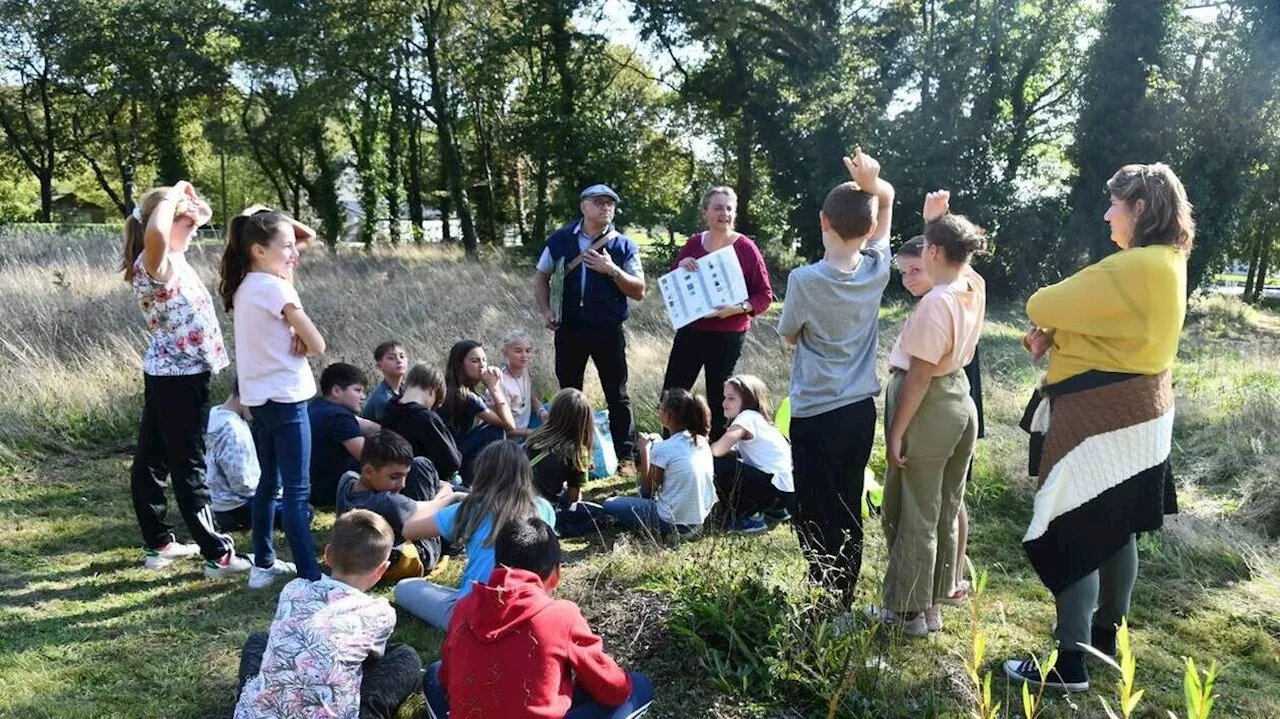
(337, 433)
(387, 462)
(413, 416)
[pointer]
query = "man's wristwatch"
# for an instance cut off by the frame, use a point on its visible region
(746, 307)
(614, 273)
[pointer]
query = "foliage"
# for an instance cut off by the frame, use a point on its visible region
(358, 115)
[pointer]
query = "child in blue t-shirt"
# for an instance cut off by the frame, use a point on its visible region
(501, 492)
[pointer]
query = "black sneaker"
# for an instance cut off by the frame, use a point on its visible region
(1068, 674)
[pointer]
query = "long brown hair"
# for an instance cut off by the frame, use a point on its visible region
(569, 431)
(1165, 218)
(243, 232)
(135, 230)
(501, 490)
(753, 393)
(457, 385)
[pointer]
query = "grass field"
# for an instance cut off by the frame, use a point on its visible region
(725, 625)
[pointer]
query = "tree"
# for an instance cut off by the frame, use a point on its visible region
(32, 112)
(1120, 122)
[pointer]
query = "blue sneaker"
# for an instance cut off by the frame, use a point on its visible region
(777, 516)
(748, 525)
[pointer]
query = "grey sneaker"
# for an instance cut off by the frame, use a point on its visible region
(156, 559)
(260, 578)
(914, 627)
(933, 618)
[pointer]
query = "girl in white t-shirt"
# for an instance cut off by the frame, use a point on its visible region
(517, 349)
(677, 474)
(753, 460)
(274, 336)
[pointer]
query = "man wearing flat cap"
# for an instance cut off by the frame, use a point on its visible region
(596, 270)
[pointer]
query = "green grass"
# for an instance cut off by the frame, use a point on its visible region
(84, 632)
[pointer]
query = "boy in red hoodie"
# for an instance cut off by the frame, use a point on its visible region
(514, 652)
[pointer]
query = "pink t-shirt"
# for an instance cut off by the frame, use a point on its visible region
(945, 326)
(266, 368)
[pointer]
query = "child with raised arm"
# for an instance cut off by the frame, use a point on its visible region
(515, 652)
(328, 654)
(753, 459)
(501, 492)
(387, 465)
(831, 316)
(185, 351)
(392, 363)
(677, 474)
(413, 415)
(274, 336)
(931, 424)
(517, 350)
(916, 281)
(474, 422)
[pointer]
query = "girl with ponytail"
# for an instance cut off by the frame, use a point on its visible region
(186, 349)
(274, 336)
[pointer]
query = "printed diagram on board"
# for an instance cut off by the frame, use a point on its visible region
(690, 296)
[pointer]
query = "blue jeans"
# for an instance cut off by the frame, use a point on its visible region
(282, 433)
(642, 513)
(584, 707)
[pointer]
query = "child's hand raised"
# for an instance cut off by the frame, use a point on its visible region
(863, 169)
(936, 204)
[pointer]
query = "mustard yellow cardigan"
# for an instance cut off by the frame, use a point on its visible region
(1123, 314)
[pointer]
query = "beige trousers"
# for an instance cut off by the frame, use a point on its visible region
(922, 502)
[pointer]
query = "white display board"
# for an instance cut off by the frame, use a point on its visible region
(718, 282)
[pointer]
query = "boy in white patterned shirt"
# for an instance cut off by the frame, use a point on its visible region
(327, 653)
(231, 463)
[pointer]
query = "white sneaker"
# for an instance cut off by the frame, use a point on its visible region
(229, 565)
(933, 618)
(156, 559)
(914, 627)
(260, 578)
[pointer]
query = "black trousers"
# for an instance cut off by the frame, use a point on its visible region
(744, 490)
(171, 445)
(607, 348)
(829, 453)
(387, 682)
(717, 353)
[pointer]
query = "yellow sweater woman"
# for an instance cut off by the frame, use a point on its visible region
(1102, 423)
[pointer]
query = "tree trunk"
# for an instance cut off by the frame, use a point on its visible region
(393, 171)
(323, 192)
(1264, 266)
(170, 160)
(1255, 249)
(561, 47)
(413, 178)
(449, 154)
(446, 204)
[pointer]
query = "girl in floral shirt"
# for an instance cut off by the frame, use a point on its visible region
(185, 350)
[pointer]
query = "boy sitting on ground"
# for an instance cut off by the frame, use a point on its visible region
(392, 363)
(514, 652)
(387, 464)
(231, 463)
(327, 652)
(337, 432)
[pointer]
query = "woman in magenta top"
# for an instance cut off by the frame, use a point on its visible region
(714, 342)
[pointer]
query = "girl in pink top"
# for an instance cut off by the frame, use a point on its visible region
(274, 337)
(931, 424)
(713, 343)
(186, 349)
